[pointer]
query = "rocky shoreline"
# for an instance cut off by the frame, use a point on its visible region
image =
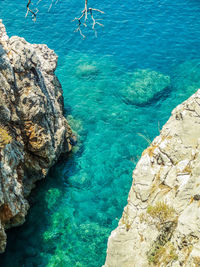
(33, 131)
(160, 224)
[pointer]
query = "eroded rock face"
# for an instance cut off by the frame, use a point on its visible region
(160, 226)
(33, 130)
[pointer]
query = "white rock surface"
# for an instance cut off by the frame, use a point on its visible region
(168, 173)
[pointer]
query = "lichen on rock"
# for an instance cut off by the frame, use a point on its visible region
(33, 130)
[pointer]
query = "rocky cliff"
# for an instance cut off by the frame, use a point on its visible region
(33, 130)
(160, 225)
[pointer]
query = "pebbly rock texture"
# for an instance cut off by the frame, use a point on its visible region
(33, 130)
(160, 226)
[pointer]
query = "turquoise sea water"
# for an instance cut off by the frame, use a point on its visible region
(149, 47)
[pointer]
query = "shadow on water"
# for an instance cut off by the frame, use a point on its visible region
(29, 237)
(160, 96)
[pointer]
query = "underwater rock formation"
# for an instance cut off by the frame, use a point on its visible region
(160, 225)
(33, 130)
(141, 86)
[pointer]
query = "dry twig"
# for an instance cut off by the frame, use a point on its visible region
(84, 16)
(31, 11)
(82, 20)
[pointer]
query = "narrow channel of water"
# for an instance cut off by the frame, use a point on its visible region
(119, 90)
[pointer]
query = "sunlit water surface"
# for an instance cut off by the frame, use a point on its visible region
(74, 210)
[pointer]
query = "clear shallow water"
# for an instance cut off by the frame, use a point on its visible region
(74, 210)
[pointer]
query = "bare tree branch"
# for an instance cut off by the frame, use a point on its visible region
(82, 20)
(84, 15)
(31, 11)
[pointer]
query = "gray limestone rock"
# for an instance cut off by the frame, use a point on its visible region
(33, 130)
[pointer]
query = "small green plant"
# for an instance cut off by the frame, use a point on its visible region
(163, 254)
(161, 212)
(156, 255)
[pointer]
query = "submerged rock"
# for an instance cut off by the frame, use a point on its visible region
(86, 70)
(33, 130)
(142, 86)
(160, 224)
(89, 67)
